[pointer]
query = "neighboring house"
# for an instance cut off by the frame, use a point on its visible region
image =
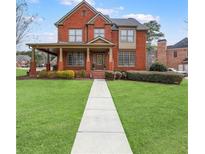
(89, 40)
(22, 60)
(174, 56)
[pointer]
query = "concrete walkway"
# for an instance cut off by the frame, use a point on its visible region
(100, 130)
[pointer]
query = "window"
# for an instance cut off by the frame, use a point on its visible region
(75, 59)
(175, 54)
(75, 35)
(126, 58)
(127, 36)
(83, 13)
(98, 32)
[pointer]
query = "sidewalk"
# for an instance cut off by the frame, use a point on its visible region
(100, 130)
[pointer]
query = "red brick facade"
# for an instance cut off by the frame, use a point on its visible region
(76, 20)
(87, 19)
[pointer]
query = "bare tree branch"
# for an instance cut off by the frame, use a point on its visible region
(23, 21)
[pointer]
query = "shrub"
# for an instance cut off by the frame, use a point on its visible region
(118, 75)
(42, 74)
(82, 74)
(161, 77)
(124, 75)
(68, 74)
(54, 67)
(109, 75)
(51, 74)
(158, 67)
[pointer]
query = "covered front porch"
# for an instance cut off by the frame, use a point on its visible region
(95, 56)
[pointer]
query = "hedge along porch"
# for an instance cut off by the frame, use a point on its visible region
(96, 54)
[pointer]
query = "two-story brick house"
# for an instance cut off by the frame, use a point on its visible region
(89, 40)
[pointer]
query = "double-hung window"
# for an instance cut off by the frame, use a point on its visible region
(99, 32)
(175, 54)
(75, 35)
(75, 59)
(126, 58)
(127, 36)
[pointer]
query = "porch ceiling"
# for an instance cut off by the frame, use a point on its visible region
(68, 45)
(53, 48)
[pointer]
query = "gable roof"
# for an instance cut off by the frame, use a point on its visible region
(100, 38)
(181, 44)
(117, 22)
(130, 22)
(59, 22)
(99, 14)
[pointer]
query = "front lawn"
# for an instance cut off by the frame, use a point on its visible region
(49, 114)
(154, 116)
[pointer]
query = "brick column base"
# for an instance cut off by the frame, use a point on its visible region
(32, 71)
(88, 68)
(48, 67)
(110, 67)
(60, 66)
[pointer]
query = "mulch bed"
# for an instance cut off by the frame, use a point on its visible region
(35, 78)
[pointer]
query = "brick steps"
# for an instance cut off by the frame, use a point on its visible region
(98, 74)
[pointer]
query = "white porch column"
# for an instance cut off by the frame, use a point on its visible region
(48, 66)
(110, 55)
(88, 54)
(61, 55)
(110, 59)
(32, 71)
(33, 55)
(88, 61)
(60, 62)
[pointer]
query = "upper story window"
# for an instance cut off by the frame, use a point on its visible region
(175, 54)
(75, 35)
(127, 36)
(99, 32)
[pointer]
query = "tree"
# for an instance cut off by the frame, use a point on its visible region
(153, 33)
(23, 20)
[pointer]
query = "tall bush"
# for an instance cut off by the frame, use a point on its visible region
(161, 77)
(158, 67)
(68, 74)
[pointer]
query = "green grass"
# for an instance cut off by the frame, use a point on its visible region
(49, 114)
(21, 72)
(154, 116)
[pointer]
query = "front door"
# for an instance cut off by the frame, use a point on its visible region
(99, 61)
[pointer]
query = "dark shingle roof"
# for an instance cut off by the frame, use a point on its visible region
(20, 58)
(129, 22)
(181, 44)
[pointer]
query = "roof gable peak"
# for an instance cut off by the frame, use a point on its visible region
(59, 22)
(99, 14)
(100, 40)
